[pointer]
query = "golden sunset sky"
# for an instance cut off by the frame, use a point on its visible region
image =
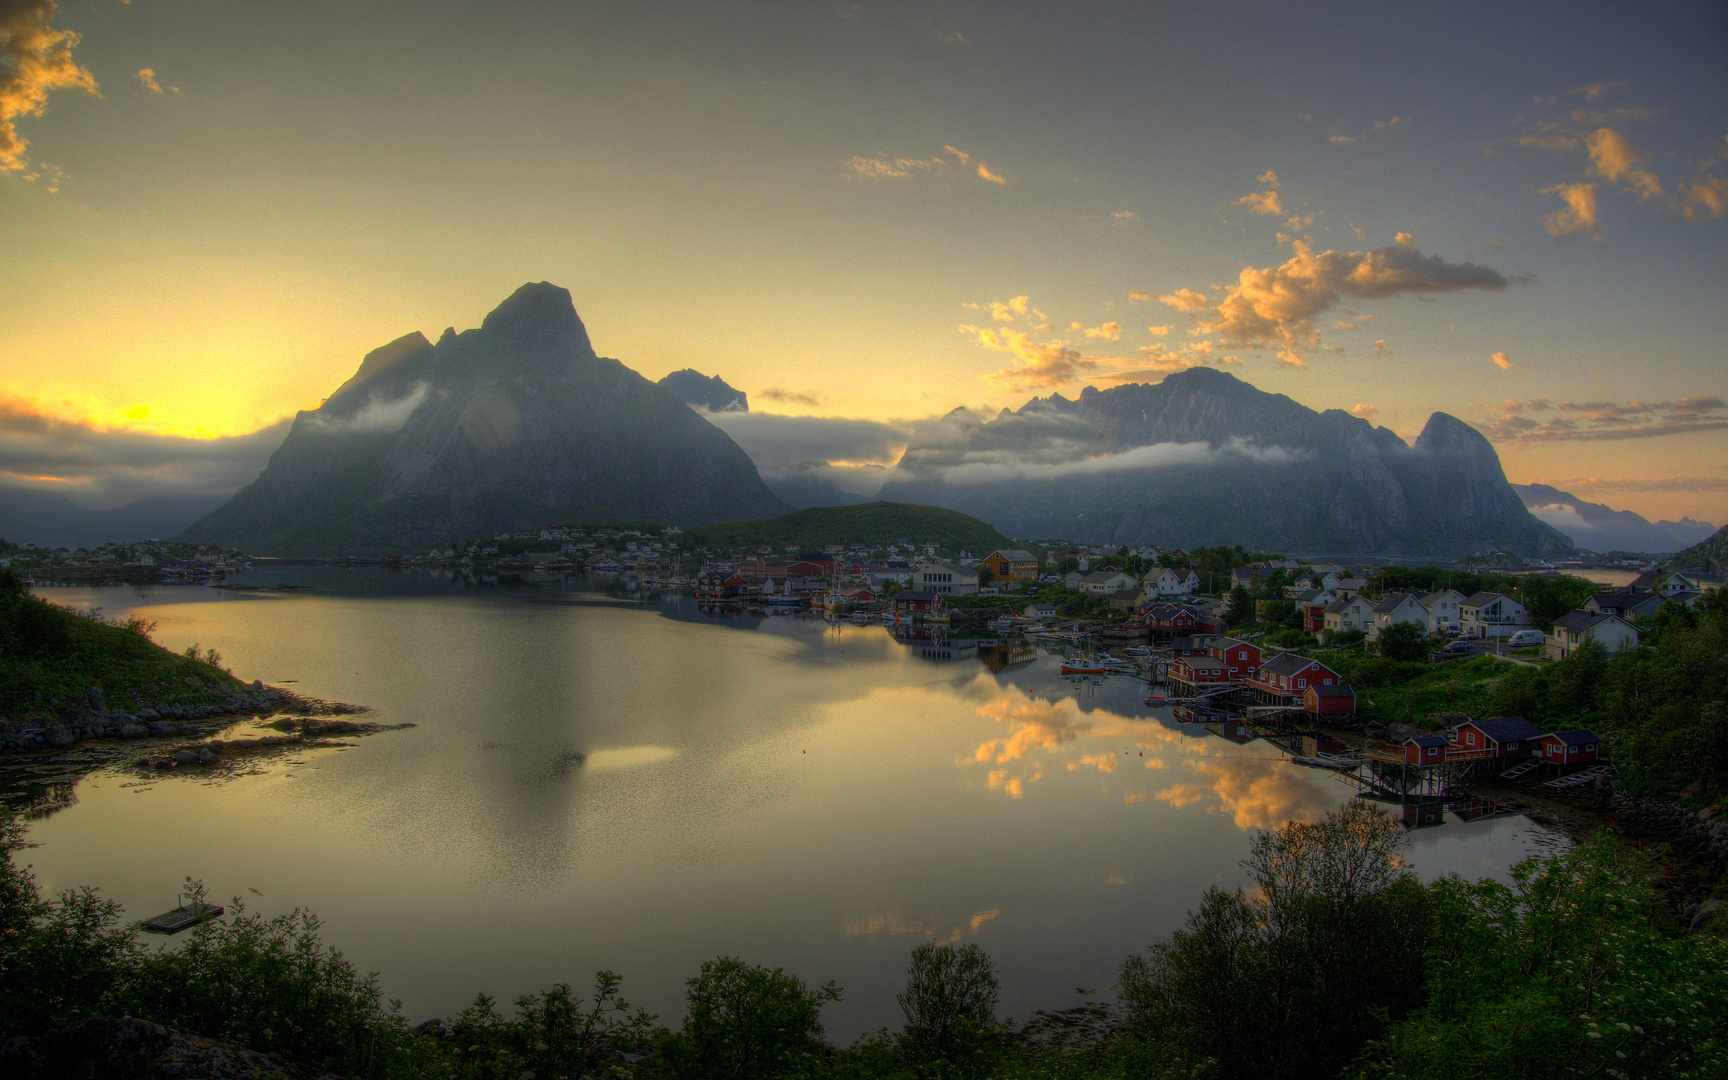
(211, 209)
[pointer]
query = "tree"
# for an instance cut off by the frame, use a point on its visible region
(1403, 641)
(949, 1001)
(1288, 981)
(1241, 608)
(746, 1022)
(985, 574)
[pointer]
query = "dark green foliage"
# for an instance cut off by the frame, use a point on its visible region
(1403, 642)
(949, 1002)
(1287, 982)
(272, 985)
(1566, 972)
(745, 1022)
(51, 656)
(876, 524)
(553, 1034)
(1241, 609)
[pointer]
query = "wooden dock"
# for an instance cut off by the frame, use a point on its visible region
(181, 918)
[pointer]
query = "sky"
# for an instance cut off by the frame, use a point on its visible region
(865, 215)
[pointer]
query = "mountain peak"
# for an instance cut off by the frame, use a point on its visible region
(539, 314)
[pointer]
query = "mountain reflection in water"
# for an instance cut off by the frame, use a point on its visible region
(605, 778)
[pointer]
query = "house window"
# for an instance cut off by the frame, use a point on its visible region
(1591, 747)
(1511, 746)
(1301, 683)
(1469, 739)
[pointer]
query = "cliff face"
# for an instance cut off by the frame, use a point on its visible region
(1204, 458)
(507, 427)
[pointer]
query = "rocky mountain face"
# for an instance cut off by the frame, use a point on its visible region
(1600, 528)
(709, 392)
(507, 427)
(1204, 458)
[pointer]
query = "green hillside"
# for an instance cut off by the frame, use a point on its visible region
(1710, 557)
(875, 523)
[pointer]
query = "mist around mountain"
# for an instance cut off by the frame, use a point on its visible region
(1596, 527)
(1204, 458)
(48, 518)
(709, 392)
(503, 428)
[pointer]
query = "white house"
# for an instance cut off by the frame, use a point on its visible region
(1040, 610)
(1167, 582)
(1101, 582)
(1491, 615)
(946, 579)
(1575, 628)
(1443, 610)
(1398, 608)
(1353, 613)
(1345, 587)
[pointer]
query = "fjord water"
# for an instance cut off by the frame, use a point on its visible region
(597, 780)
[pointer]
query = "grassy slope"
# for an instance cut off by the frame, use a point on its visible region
(874, 523)
(50, 657)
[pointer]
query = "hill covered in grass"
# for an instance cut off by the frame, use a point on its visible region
(52, 658)
(1709, 558)
(876, 524)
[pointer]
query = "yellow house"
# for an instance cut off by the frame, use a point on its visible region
(1012, 565)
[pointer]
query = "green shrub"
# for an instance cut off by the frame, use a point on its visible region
(745, 1022)
(949, 1002)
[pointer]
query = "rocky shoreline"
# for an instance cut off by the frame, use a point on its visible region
(1688, 848)
(159, 739)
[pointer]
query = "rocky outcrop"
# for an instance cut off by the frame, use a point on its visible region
(511, 426)
(1203, 458)
(1709, 558)
(112, 1049)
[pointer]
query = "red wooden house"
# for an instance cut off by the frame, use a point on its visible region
(1425, 750)
(1502, 736)
(1568, 747)
(1285, 678)
(1198, 672)
(1337, 700)
(1239, 656)
(916, 602)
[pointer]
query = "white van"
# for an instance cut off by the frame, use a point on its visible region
(1525, 637)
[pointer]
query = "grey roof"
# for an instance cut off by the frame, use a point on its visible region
(1507, 729)
(1286, 663)
(1574, 738)
(1583, 620)
(1434, 597)
(1481, 599)
(1231, 642)
(1425, 741)
(1335, 690)
(1016, 555)
(1393, 601)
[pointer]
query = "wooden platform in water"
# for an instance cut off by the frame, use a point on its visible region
(181, 918)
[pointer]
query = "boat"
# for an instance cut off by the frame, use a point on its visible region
(1157, 699)
(938, 618)
(1075, 665)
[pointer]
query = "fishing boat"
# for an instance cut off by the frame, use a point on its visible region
(939, 618)
(1075, 665)
(1157, 699)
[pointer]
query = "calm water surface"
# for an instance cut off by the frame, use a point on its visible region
(598, 781)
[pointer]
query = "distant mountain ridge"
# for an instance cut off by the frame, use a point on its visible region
(710, 392)
(1204, 458)
(1603, 529)
(48, 518)
(498, 429)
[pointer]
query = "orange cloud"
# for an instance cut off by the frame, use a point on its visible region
(1043, 365)
(1504, 362)
(1137, 295)
(1181, 795)
(1269, 178)
(985, 173)
(1580, 213)
(1615, 159)
(1186, 300)
(38, 61)
(1263, 202)
(1706, 197)
(147, 78)
(1366, 412)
